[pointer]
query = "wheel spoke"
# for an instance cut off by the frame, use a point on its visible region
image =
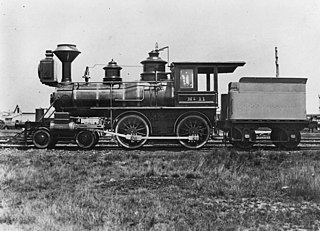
(202, 129)
(140, 129)
(138, 126)
(125, 125)
(187, 124)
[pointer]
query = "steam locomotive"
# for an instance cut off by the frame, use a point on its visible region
(177, 105)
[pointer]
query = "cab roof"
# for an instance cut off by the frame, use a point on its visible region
(205, 67)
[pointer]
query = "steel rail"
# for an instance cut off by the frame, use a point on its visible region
(309, 141)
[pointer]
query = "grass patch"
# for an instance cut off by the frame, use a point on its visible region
(159, 190)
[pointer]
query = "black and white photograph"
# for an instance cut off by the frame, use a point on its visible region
(159, 115)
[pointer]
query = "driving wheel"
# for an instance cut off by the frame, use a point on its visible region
(193, 126)
(134, 127)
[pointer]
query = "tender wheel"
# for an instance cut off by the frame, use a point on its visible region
(283, 138)
(41, 138)
(135, 127)
(239, 143)
(293, 143)
(196, 126)
(86, 139)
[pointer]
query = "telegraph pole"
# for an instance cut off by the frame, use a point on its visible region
(277, 65)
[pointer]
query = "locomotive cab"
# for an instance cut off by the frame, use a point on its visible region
(196, 83)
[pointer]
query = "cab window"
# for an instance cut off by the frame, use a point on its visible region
(205, 82)
(186, 78)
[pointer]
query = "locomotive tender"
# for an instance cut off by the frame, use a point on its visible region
(177, 105)
(275, 103)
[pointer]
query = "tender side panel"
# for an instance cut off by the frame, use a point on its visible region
(267, 101)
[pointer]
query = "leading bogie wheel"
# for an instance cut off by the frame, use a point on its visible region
(197, 128)
(86, 139)
(134, 127)
(41, 138)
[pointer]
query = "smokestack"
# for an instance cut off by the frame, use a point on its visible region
(66, 53)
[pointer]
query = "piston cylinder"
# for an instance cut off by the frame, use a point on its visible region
(62, 126)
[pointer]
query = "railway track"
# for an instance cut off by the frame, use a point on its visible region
(9, 139)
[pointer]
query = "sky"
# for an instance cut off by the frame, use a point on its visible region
(194, 30)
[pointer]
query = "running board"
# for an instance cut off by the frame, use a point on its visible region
(138, 137)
